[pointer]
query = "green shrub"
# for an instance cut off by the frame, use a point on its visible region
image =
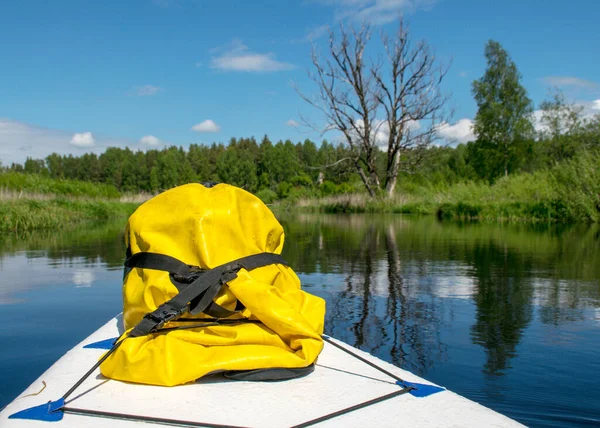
(299, 192)
(328, 188)
(461, 210)
(22, 215)
(35, 183)
(301, 180)
(577, 184)
(267, 196)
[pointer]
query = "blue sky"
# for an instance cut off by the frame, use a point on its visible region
(82, 75)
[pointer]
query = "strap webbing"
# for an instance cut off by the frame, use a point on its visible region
(197, 297)
(159, 262)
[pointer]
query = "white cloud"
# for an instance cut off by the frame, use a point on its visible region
(17, 287)
(463, 74)
(83, 278)
(146, 90)
(150, 140)
(570, 81)
(206, 126)
(377, 12)
(83, 139)
(588, 110)
(238, 58)
(316, 32)
(381, 132)
(292, 123)
(461, 131)
(19, 140)
(537, 121)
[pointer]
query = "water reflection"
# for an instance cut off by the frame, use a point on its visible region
(92, 244)
(487, 310)
(55, 289)
(44, 258)
(503, 296)
(427, 295)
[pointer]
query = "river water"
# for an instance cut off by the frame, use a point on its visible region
(508, 316)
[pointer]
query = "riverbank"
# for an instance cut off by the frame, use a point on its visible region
(445, 207)
(33, 202)
(18, 215)
(567, 193)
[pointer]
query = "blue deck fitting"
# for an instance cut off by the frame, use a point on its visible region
(102, 344)
(50, 412)
(420, 389)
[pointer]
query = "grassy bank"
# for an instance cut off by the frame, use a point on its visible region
(30, 201)
(59, 213)
(569, 192)
(34, 184)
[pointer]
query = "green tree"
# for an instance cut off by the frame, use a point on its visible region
(264, 160)
(89, 167)
(154, 180)
(35, 166)
(308, 155)
(54, 162)
(167, 168)
(198, 159)
(187, 173)
(503, 119)
(235, 168)
(143, 174)
(590, 134)
(562, 124)
(111, 165)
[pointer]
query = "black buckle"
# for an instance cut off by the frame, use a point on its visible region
(227, 276)
(163, 314)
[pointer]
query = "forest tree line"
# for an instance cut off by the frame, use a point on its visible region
(286, 169)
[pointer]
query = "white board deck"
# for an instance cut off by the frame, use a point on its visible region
(338, 382)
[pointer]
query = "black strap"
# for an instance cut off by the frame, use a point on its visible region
(198, 296)
(159, 262)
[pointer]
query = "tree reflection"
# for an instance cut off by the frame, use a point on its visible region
(377, 309)
(415, 321)
(504, 303)
(559, 302)
(98, 243)
(400, 278)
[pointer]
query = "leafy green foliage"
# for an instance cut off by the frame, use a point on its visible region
(283, 167)
(502, 123)
(568, 192)
(36, 183)
(235, 168)
(22, 215)
(577, 186)
(267, 196)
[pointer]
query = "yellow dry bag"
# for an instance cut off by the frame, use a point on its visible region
(206, 290)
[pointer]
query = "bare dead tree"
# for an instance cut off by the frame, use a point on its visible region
(395, 102)
(412, 99)
(346, 97)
